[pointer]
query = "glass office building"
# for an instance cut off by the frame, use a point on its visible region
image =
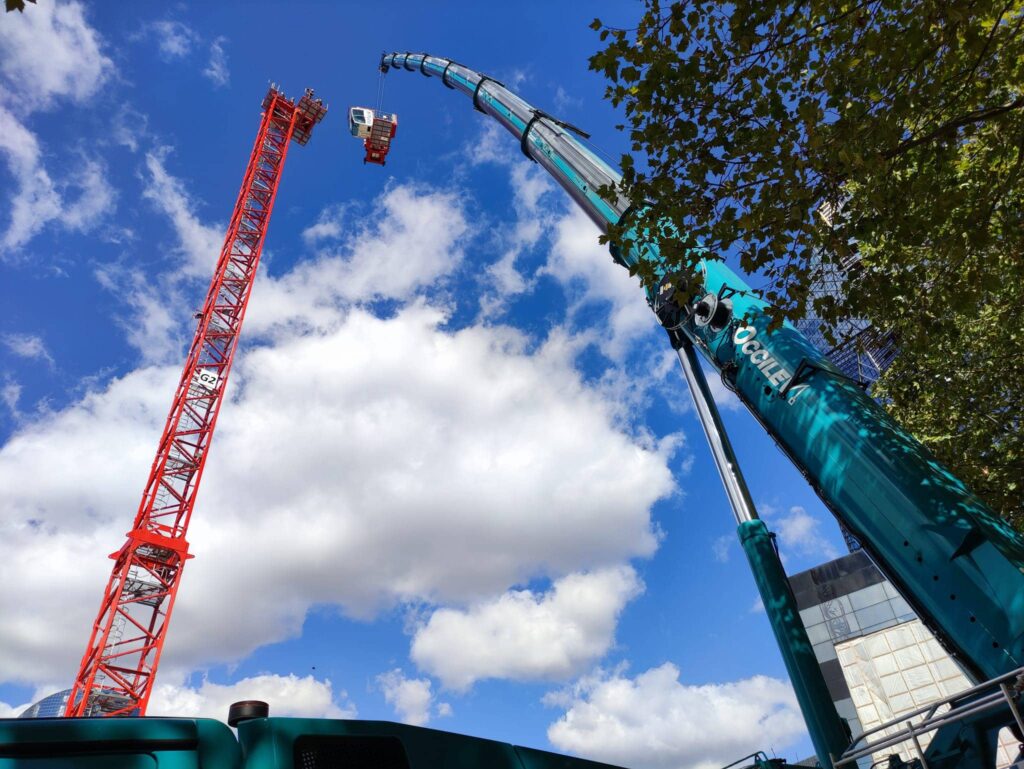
(878, 659)
(51, 706)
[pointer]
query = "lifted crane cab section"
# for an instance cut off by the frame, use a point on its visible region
(376, 129)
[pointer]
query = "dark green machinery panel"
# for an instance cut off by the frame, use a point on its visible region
(542, 759)
(300, 743)
(117, 743)
(263, 743)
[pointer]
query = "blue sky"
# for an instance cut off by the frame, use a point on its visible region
(457, 480)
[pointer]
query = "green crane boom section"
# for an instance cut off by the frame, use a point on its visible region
(959, 564)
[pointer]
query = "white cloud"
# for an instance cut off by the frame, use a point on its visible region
(586, 269)
(37, 200)
(564, 100)
(27, 346)
(328, 226)
(289, 695)
(654, 721)
(589, 276)
(76, 511)
(414, 241)
(411, 698)
(198, 243)
(150, 314)
(49, 53)
(504, 281)
(12, 711)
(174, 39)
(10, 394)
(129, 127)
(217, 69)
(95, 199)
(799, 533)
(522, 635)
(577, 260)
(405, 462)
(533, 219)
(155, 310)
(722, 546)
(415, 236)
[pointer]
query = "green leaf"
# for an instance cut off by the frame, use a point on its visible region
(739, 138)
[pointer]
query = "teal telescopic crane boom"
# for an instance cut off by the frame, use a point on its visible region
(958, 564)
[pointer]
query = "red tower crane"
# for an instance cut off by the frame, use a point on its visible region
(120, 663)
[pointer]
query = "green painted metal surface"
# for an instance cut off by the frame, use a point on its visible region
(959, 565)
(270, 743)
(951, 557)
(263, 743)
(823, 723)
(117, 743)
(956, 562)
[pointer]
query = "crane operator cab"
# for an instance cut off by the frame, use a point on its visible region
(376, 129)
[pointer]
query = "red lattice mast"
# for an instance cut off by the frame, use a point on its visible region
(120, 663)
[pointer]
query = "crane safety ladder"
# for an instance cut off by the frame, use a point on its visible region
(120, 662)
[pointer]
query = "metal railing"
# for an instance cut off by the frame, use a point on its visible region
(997, 692)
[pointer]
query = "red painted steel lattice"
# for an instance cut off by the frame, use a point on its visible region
(120, 663)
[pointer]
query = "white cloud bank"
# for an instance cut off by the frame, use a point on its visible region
(522, 635)
(532, 195)
(360, 462)
(27, 346)
(46, 56)
(38, 200)
(416, 237)
(654, 721)
(174, 39)
(290, 695)
(412, 698)
(50, 53)
(586, 269)
(217, 71)
(12, 711)
(379, 461)
(800, 533)
(199, 244)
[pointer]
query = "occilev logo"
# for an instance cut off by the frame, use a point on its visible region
(761, 357)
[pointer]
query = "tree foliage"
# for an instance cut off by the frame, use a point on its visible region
(17, 5)
(906, 118)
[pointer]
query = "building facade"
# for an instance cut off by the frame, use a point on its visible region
(878, 659)
(51, 706)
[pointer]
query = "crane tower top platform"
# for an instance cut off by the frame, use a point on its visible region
(310, 109)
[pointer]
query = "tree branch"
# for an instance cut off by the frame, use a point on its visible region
(946, 129)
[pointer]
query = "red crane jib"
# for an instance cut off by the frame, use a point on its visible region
(120, 662)
(378, 143)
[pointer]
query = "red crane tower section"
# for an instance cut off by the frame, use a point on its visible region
(120, 663)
